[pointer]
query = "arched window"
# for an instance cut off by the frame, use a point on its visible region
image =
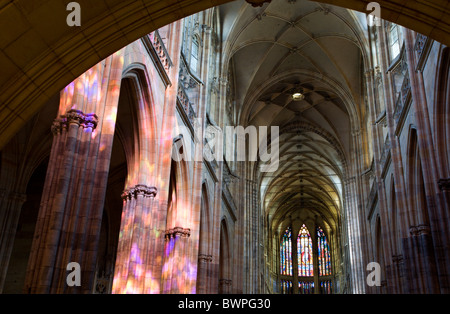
(323, 253)
(307, 275)
(194, 54)
(305, 253)
(286, 253)
(394, 41)
(286, 286)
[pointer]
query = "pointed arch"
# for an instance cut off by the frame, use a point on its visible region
(178, 199)
(204, 252)
(442, 112)
(305, 253)
(416, 188)
(205, 220)
(224, 259)
(140, 97)
(286, 253)
(324, 253)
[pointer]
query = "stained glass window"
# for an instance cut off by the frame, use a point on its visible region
(325, 287)
(306, 287)
(286, 286)
(305, 253)
(323, 253)
(286, 253)
(394, 41)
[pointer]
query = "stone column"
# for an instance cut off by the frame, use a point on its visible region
(176, 271)
(436, 207)
(134, 253)
(69, 219)
(60, 202)
(203, 270)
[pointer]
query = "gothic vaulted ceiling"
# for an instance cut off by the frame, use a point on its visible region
(291, 46)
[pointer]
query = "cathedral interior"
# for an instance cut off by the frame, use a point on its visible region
(136, 147)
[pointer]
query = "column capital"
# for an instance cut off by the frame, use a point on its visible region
(178, 232)
(139, 189)
(423, 229)
(90, 120)
(74, 116)
(413, 230)
(58, 125)
(203, 258)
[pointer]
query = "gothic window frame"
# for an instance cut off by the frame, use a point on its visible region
(304, 277)
(194, 58)
(394, 41)
(305, 246)
(286, 262)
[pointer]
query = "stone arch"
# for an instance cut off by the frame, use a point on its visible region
(178, 186)
(135, 132)
(416, 186)
(35, 74)
(145, 149)
(442, 112)
(225, 282)
(205, 221)
(204, 252)
(394, 218)
(379, 248)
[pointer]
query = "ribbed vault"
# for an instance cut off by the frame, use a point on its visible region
(315, 49)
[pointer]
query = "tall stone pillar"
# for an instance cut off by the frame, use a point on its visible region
(134, 254)
(177, 273)
(435, 201)
(203, 273)
(60, 206)
(69, 219)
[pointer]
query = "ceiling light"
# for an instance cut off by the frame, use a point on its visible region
(298, 96)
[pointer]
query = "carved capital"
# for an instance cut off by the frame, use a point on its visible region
(75, 117)
(90, 121)
(58, 125)
(418, 230)
(178, 232)
(423, 229)
(139, 190)
(413, 230)
(203, 258)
